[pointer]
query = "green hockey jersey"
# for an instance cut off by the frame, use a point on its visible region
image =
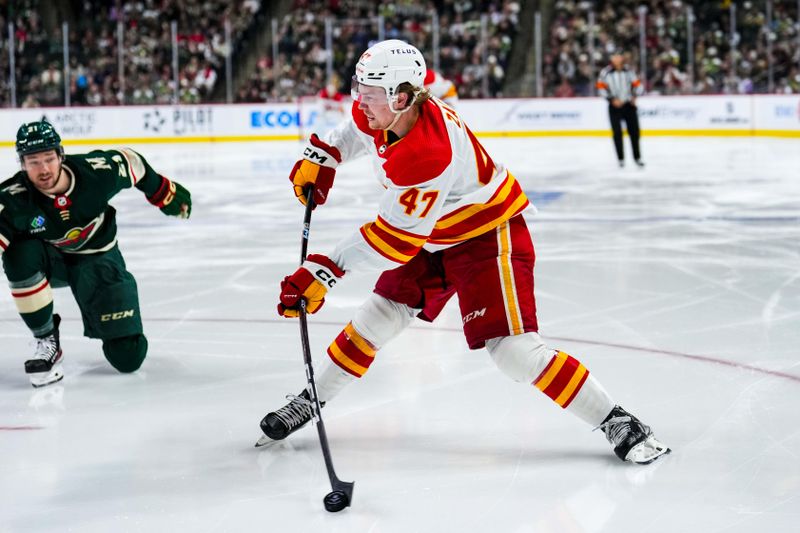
(79, 221)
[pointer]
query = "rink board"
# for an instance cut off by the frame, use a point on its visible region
(759, 115)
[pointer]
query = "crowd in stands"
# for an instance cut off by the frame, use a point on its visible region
(475, 46)
(30, 44)
(568, 65)
(476, 66)
(94, 55)
(5, 79)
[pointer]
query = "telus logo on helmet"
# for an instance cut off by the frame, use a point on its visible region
(403, 51)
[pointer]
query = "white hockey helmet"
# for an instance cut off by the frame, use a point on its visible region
(389, 64)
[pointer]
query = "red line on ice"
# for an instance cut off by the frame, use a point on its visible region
(643, 349)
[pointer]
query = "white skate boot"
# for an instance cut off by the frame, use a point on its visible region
(45, 366)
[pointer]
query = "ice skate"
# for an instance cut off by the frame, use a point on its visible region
(632, 440)
(279, 424)
(45, 366)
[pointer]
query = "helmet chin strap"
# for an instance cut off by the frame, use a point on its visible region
(398, 114)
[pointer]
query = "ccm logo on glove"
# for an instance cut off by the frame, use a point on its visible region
(317, 169)
(325, 277)
(310, 282)
(315, 156)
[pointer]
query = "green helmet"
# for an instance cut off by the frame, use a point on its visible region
(36, 137)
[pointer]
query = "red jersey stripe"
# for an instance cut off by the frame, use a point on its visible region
(380, 247)
(480, 223)
(389, 245)
(400, 232)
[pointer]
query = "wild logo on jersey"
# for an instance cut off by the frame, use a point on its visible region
(75, 238)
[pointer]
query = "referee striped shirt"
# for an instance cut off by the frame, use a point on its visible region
(621, 84)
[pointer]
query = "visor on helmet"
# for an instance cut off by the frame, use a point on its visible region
(378, 97)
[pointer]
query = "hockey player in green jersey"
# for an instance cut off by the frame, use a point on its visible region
(57, 229)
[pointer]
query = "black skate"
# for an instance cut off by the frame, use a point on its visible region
(45, 366)
(281, 423)
(632, 440)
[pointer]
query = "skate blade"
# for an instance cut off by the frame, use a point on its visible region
(42, 379)
(265, 441)
(647, 451)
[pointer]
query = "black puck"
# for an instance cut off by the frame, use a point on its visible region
(335, 501)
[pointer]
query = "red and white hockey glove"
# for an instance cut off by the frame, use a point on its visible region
(310, 282)
(316, 169)
(172, 198)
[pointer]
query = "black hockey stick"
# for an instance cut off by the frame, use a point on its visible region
(342, 491)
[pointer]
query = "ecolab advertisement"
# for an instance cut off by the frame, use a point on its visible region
(767, 115)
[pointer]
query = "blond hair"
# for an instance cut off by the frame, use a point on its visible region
(417, 94)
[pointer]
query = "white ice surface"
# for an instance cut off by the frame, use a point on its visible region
(678, 286)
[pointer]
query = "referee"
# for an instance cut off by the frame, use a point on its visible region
(620, 86)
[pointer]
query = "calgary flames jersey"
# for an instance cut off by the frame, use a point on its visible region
(441, 188)
(80, 221)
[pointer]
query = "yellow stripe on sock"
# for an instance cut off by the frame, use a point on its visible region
(361, 343)
(342, 359)
(560, 359)
(573, 383)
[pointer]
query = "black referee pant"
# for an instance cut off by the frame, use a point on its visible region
(626, 112)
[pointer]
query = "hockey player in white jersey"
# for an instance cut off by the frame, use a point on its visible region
(449, 222)
(441, 88)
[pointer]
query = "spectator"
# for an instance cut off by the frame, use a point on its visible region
(30, 101)
(463, 55)
(718, 68)
(147, 49)
(302, 37)
(564, 89)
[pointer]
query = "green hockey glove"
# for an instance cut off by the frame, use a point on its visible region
(172, 198)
